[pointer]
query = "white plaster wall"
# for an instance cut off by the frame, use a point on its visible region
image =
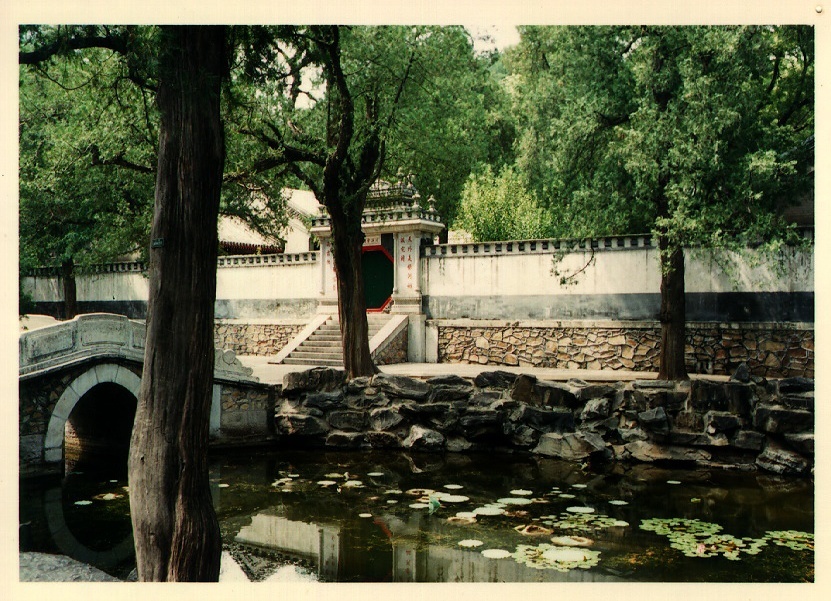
(749, 272)
(125, 286)
(613, 272)
(285, 281)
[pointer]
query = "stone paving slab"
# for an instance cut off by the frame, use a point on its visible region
(272, 373)
(45, 567)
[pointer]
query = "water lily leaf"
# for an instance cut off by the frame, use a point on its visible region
(521, 492)
(496, 553)
(470, 543)
(83, 502)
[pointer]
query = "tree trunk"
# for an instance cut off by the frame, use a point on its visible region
(673, 313)
(354, 330)
(70, 291)
(174, 524)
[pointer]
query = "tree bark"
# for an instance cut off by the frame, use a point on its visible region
(70, 290)
(174, 524)
(672, 314)
(354, 330)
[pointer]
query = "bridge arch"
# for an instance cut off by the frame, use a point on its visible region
(100, 374)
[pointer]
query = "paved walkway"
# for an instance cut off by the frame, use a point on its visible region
(271, 373)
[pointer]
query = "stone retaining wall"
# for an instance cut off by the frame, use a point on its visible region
(255, 338)
(782, 350)
(748, 423)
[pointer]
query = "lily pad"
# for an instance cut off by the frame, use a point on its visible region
(565, 495)
(375, 474)
(580, 509)
(673, 482)
(326, 482)
(364, 515)
(84, 502)
(572, 541)
(514, 501)
(353, 484)
(453, 486)
(496, 553)
(488, 511)
(562, 559)
(470, 543)
(521, 492)
(579, 485)
(617, 502)
(419, 505)
(223, 485)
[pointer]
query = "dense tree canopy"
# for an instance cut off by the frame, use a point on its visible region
(694, 132)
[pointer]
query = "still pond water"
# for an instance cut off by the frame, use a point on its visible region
(394, 517)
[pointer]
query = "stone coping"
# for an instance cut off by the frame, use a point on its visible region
(289, 321)
(611, 324)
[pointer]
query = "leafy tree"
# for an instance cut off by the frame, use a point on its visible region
(499, 207)
(331, 107)
(693, 133)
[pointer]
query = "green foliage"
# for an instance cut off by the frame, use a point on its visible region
(499, 207)
(698, 134)
(87, 138)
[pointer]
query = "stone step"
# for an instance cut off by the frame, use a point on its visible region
(306, 357)
(315, 348)
(324, 362)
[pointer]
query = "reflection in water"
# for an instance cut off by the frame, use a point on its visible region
(372, 517)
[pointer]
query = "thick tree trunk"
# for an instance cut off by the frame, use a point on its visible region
(354, 331)
(70, 290)
(174, 524)
(673, 313)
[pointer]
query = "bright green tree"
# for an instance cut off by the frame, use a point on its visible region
(499, 207)
(695, 134)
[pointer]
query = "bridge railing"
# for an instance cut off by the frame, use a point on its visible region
(96, 335)
(86, 336)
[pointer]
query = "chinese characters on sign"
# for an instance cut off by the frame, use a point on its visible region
(406, 262)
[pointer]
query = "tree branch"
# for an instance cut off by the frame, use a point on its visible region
(114, 43)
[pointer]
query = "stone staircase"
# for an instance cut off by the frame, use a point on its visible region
(323, 346)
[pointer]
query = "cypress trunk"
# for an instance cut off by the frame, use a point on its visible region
(672, 314)
(174, 524)
(354, 330)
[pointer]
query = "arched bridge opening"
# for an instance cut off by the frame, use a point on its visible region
(97, 431)
(93, 418)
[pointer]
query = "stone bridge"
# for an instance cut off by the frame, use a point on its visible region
(79, 383)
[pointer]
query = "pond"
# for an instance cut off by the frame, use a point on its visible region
(397, 517)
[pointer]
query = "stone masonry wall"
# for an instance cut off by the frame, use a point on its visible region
(254, 339)
(770, 351)
(748, 423)
(395, 351)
